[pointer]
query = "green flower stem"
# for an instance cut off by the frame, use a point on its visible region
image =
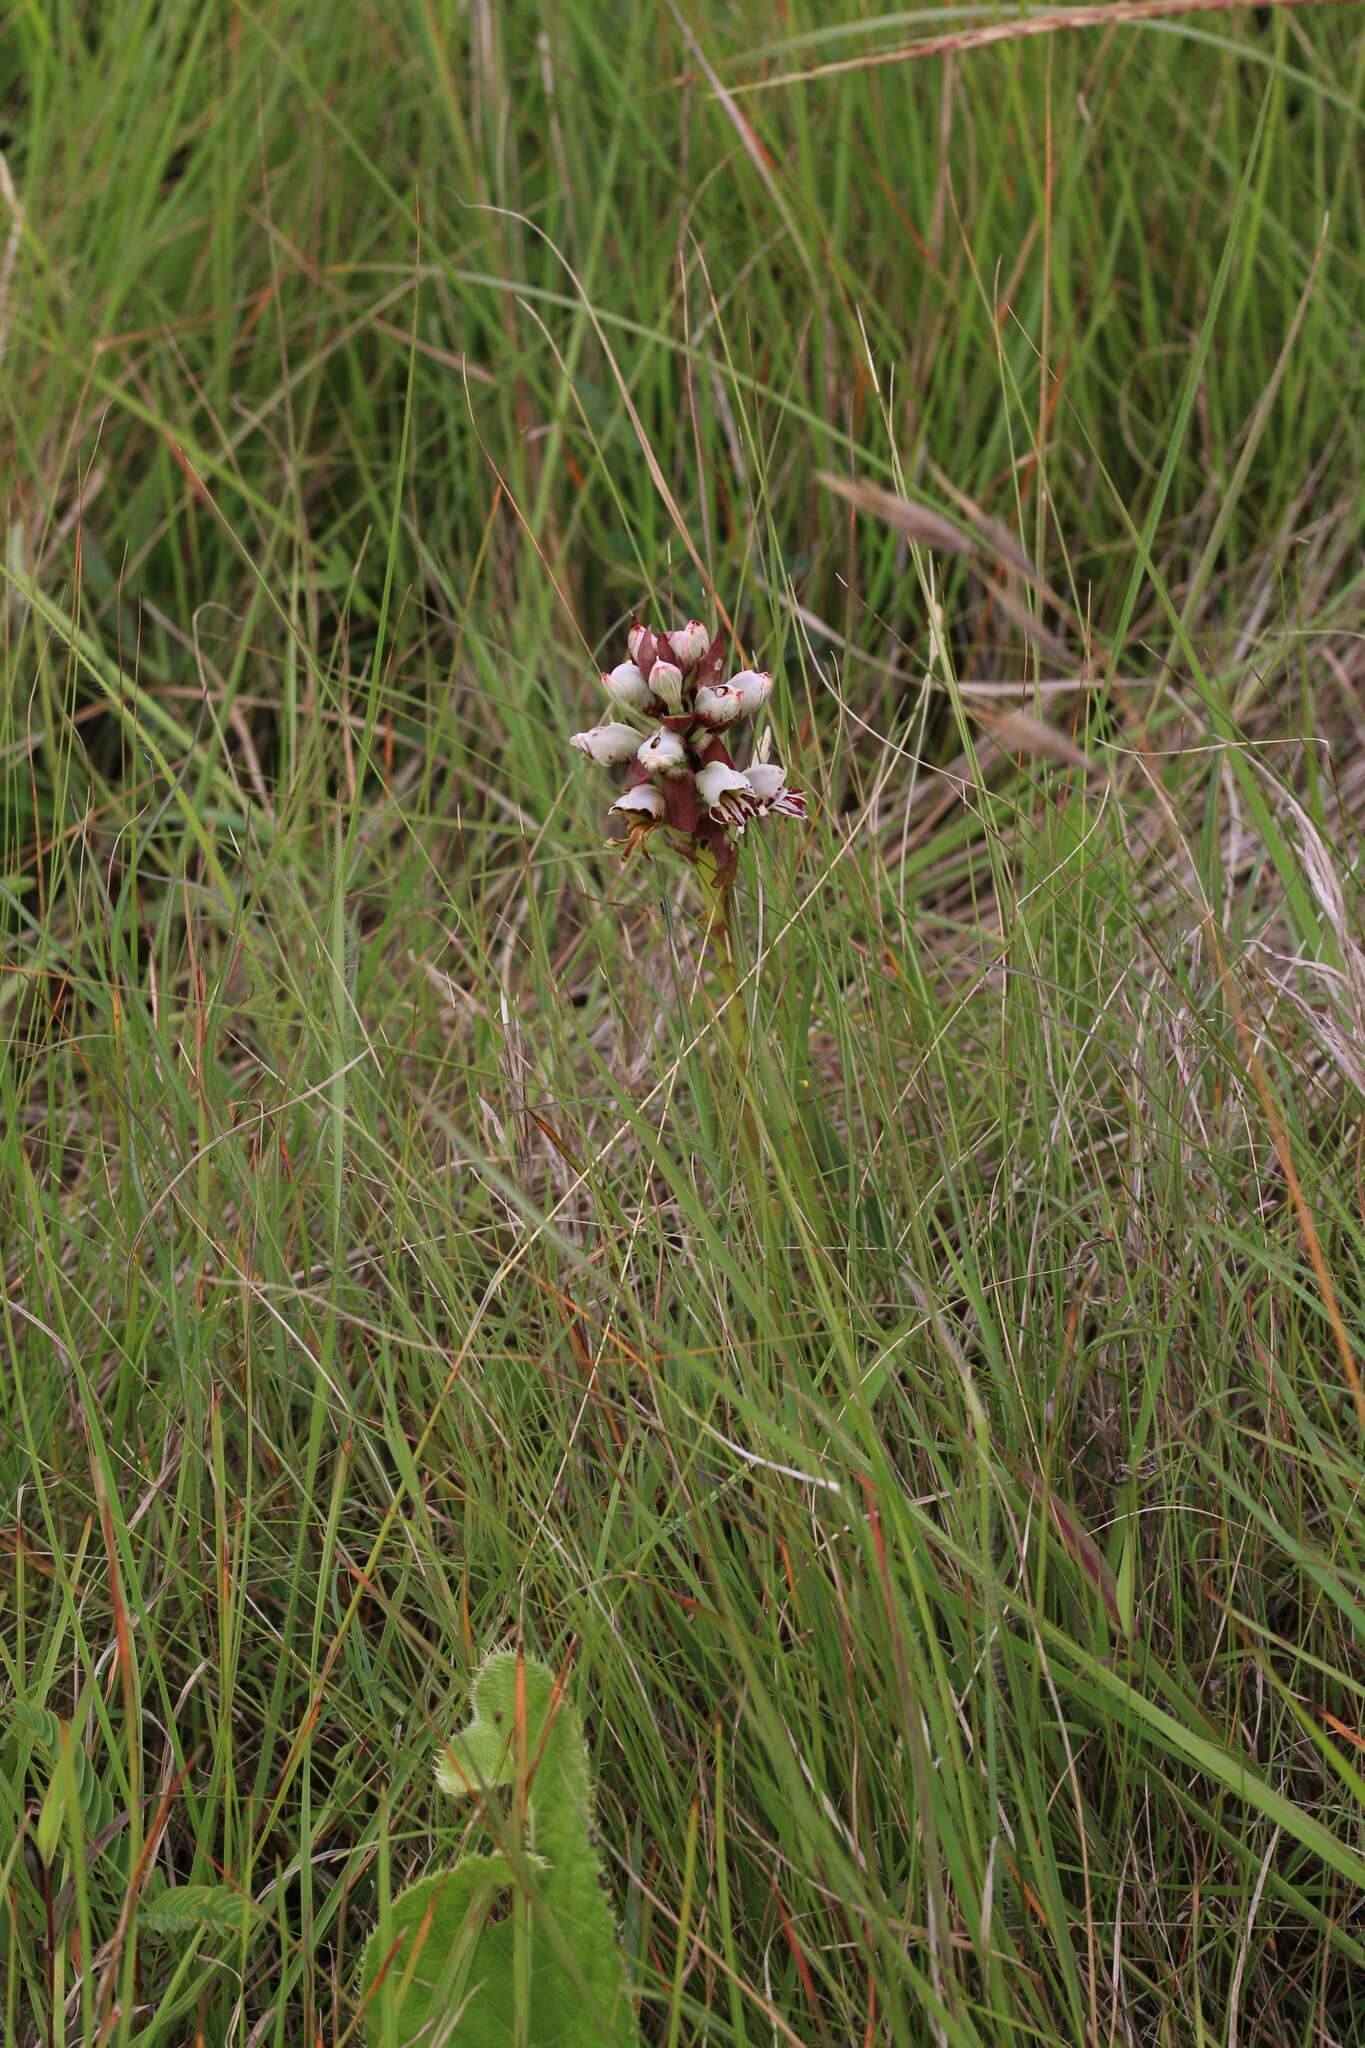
(718, 936)
(725, 992)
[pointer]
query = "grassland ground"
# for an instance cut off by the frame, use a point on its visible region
(925, 1424)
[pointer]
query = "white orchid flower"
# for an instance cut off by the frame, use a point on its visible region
(665, 680)
(717, 706)
(663, 753)
(726, 795)
(768, 781)
(641, 801)
(754, 687)
(689, 643)
(626, 686)
(608, 745)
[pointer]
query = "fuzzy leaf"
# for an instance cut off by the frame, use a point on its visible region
(520, 1944)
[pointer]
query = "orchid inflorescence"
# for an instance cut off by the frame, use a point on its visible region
(681, 772)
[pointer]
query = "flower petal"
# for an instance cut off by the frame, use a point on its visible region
(766, 779)
(626, 686)
(608, 745)
(663, 753)
(768, 782)
(726, 795)
(689, 644)
(644, 800)
(717, 706)
(754, 687)
(665, 680)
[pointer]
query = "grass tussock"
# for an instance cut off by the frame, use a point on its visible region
(935, 1443)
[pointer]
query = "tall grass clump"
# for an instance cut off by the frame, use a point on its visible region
(905, 1381)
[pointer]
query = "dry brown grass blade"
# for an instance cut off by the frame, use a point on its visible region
(1042, 637)
(927, 529)
(1279, 1134)
(1080, 1546)
(996, 536)
(979, 534)
(985, 539)
(1017, 732)
(1107, 14)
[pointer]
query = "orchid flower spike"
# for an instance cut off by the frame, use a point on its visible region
(609, 745)
(682, 778)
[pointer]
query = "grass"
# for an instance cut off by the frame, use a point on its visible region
(947, 1497)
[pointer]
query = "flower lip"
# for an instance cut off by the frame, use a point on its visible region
(663, 751)
(609, 745)
(726, 795)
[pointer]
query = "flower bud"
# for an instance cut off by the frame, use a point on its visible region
(643, 799)
(717, 705)
(769, 784)
(608, 745)
(626, 686)
(645, 647)
(663, 753)
(689, 644)
(754, 686)
(665, 680)
(726, 795)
